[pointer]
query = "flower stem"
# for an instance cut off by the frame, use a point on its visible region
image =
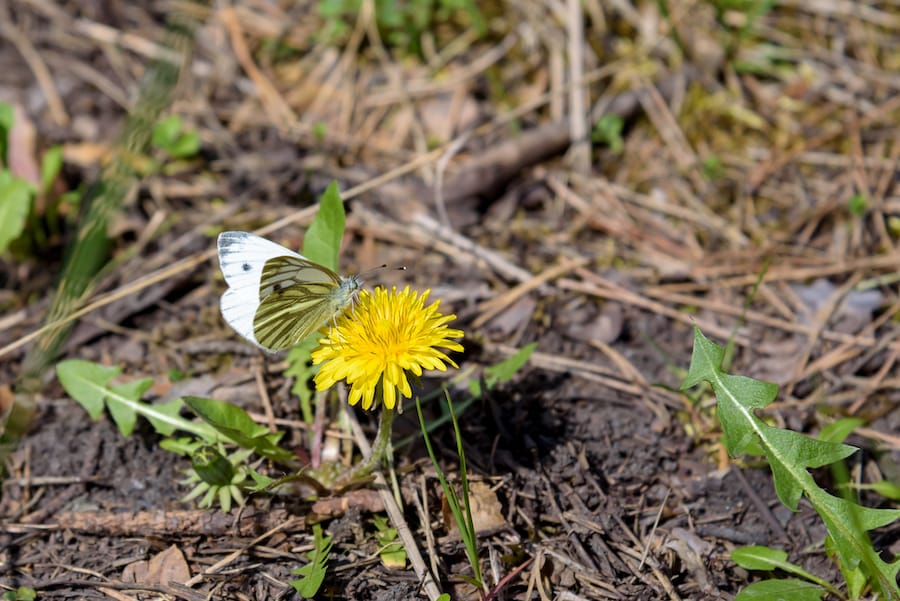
(380, 449)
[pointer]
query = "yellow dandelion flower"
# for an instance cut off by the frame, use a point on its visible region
(387, 336)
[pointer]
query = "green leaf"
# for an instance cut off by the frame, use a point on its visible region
(462, 514)
(392, 553)
(314, 572)
(759, 558)
(23, 593)
(261, 482)
(124, 414)
(15, 201)
(889, 490)
(322, 243)
(858, 205)
(789, 589)
(234, 423)
(88, 383)
(506, 369)
(180, 446)
(712, 167)
(85, 382)
(186, 146)
(51, 164)
(790, 455)
(212, 466)
(300, 368)
(608, 130)
(766, 559)
(320, 130)
(838, 431)
(7, 119)
(166, 132)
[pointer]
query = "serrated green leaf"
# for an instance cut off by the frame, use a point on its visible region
(180, 446)
(506, 369)
(212, 467)
(261, 482)
(300, 368)
(789, 589)
(16, 195)
(314, 572)
(706, 360)
(322, 243)
(790, 456)
(86, 382)
(234, 423)
(171, 410)
(124, 415)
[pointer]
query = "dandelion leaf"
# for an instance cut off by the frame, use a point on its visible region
(790, 456)
(787, 589)
(88, 383)
(313, 573)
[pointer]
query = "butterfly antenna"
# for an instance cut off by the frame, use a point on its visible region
(380, 267)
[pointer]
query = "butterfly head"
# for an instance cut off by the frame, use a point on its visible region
(346, 292)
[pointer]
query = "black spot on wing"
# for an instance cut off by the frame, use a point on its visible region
(246, 267)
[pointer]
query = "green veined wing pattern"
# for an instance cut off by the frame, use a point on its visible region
(283, 272)
(296, 297)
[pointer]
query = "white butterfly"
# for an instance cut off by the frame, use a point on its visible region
(276, 297)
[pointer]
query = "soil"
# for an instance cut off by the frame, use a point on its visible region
(604, 481)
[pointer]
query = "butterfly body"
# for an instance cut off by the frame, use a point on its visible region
(277, 297)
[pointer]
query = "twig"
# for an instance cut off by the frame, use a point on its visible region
(580, 151)
(396, 515)
(491, 308)
(39, 68)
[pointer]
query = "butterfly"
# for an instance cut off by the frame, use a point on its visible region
(277, 297)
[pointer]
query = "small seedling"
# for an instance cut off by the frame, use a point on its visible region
(174, 139)
(608, 130)
(858, 205)
(392, 553)
(23, 593)
(17, 195)
(217, 477)
(401, 24)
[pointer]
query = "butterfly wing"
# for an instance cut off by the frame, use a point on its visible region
(296, 297)
(242, 257)
(280, 273)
